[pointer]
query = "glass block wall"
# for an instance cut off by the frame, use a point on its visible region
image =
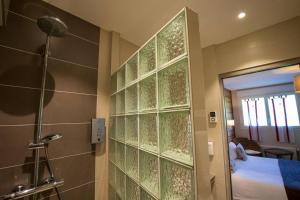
(150, 137)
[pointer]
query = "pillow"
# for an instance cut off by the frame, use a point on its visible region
(232, 151)
(241, 154)
(232, 166)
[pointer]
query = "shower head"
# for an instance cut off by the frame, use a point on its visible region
(50, 138)
(52, 26)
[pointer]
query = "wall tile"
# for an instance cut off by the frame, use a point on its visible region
(22, 34)
(75, 50)
(75, 170)
(15, 139)
(14, 145)
(20, 69)
(69, 77)
(37, 8)
(69, 108)
(76, 139)
(68, 48)
(18, 105)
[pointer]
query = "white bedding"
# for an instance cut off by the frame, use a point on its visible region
(258, 179)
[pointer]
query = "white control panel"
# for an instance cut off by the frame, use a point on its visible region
(213, 117)
(98, 130)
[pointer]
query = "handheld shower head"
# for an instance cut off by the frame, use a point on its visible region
(52, 26)
(50, 138)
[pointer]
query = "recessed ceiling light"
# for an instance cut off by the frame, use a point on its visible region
(241, 15)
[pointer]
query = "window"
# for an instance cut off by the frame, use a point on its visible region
(291, 110)
(253, 114)
(257, 113)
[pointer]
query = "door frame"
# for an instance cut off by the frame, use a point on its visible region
(251, 70)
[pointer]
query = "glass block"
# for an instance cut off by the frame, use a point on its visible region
(111, 193)
(148, 132)
(131, 99)
(112, 174)
(132, 162)
(120, 184)
(120, 102)
(149, 172)
(147, 58)
(132, 190)
(113, 102)
(120, 128)
(131, 129)
(171, 40)
(121, 78)
(120, 155)
(112, 127)
(176, 136)
(147, 100)
(113, 83)
(131, 69)
(145, 195)
(174, 85)
(112, 150)
(177, 181)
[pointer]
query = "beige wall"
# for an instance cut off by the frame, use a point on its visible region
(276, 43)
(113, 51)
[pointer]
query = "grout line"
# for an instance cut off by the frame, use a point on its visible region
(84, 39)
(20, 50)
(57, 59)
(23, 16)
(57, 158)
(70, 62)
(48, 90)
(46, 124)
(70, 92)
(69, 33)
(67, 190)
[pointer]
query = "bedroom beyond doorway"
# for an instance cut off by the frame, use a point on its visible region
(261, 111)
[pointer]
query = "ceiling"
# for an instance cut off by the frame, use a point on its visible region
(261, 79)
(138, 20)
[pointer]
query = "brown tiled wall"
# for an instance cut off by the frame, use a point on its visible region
(70, 99)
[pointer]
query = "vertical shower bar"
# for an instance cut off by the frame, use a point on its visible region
(40, 117)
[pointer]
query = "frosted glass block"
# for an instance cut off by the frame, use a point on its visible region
(132, 162)
(171, 40)
(111, 193)
(177, 181)
(120, 128)
(174, 85)
(147, 58)
(113, 83)
(120, 184)
(112, 127)
(113, 102)
(176, 136)
(147, 93)
(131, 69)
(121, 78)
(131, 99)
(132, 190)
(112, 174)
(149, 172)
(120, 102)
(131, 129)
(145, 195)
(120, 155)
(112, 150)
(148, 132)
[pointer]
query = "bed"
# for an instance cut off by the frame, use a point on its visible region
(261, 178)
